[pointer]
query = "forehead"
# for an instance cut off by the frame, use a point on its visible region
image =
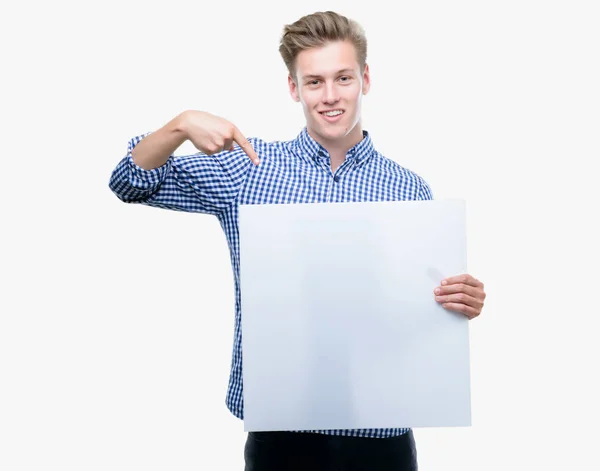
(327, 60)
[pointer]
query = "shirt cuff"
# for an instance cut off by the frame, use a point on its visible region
(140, 177)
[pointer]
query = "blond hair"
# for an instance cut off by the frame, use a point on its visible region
(316, 30)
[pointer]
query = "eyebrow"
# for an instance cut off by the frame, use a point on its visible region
(343, 71)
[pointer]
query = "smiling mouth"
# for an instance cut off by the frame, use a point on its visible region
(332, 113)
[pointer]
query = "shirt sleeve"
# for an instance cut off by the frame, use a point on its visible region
(194, 183)
(425, 192)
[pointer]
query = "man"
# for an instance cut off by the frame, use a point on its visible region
(331, 160)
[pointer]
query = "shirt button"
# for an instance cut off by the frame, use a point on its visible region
(336, 178)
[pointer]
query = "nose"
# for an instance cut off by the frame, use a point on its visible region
(330, 93)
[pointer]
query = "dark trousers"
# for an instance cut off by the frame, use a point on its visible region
(294, 451)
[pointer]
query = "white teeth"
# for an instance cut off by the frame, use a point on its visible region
(333, 113)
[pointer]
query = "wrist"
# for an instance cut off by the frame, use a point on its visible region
(181, 124)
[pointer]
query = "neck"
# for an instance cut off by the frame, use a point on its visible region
(338, 148)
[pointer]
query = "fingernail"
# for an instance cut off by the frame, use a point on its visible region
(437, 291)
(444, 283)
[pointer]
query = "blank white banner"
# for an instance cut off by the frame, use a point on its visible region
(340, 327)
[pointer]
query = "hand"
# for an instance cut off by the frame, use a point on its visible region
(461, 293)
(212, 134)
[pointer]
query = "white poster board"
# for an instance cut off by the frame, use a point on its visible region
(340, 326)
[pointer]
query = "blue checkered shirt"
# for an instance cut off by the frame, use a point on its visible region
(296, 171)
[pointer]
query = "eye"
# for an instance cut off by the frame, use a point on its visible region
(344, 79)
(313, 82)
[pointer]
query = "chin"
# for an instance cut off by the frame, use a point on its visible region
(332, 132)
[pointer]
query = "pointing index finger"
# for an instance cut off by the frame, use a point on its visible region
(245, 145)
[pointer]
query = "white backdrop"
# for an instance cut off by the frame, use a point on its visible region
(116, 320)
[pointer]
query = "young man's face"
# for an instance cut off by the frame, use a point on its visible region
(329, 79)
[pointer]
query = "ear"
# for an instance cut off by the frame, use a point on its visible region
(294, 92)
(366, 80)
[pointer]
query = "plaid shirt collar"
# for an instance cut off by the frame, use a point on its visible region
(311, 148)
